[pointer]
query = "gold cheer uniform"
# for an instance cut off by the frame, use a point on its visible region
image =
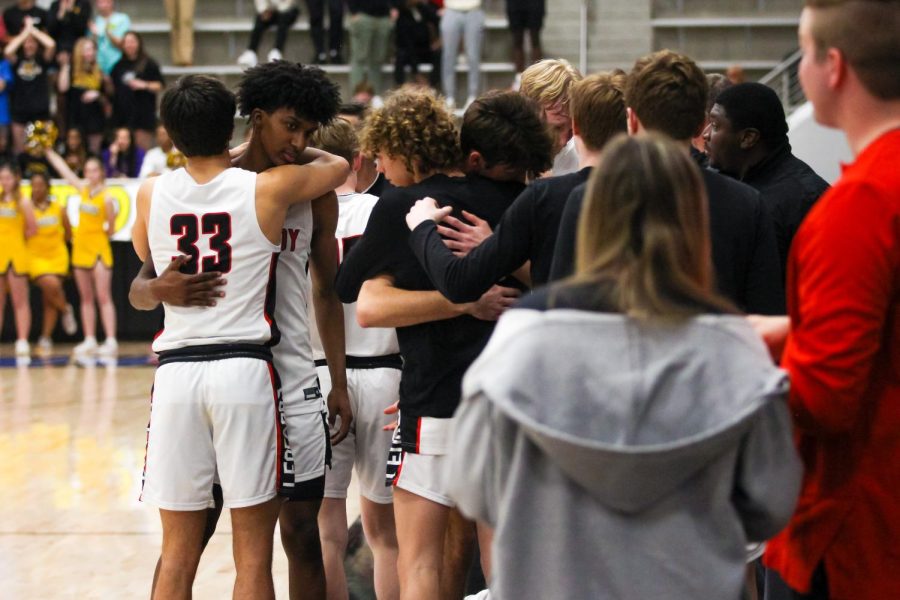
(47, 252)
(13, 254)
(90, 242)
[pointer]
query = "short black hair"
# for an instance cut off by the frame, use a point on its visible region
(198, 113)
(755, 105)
(353, 109)
(506, 128)
(283, 84)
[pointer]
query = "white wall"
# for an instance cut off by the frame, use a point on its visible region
(822, 148)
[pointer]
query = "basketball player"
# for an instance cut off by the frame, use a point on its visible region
(373, 375)
(286, 102)
(502, 139)
(217, 408)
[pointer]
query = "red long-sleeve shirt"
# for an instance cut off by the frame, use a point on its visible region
(843, 356)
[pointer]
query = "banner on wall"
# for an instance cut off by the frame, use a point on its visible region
(122, 192)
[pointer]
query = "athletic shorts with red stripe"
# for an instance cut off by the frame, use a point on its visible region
(215, 419)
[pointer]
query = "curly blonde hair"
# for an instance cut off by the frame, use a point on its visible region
(413, 125)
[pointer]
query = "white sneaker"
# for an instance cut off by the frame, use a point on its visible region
(462, 60)
(247, 59)
(69, 325)
(87, 348)
(44, 347)
(23, 353)
(109, 348)
(517, 82)
(450, 103)
(274, 54)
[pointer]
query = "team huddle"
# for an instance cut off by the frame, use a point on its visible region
(332, 291)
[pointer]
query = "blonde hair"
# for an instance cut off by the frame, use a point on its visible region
(414, 126)
(338, 138)
(644, 231)
(548, 81)
(84, 75)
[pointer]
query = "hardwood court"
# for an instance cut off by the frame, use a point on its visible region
(71, 451)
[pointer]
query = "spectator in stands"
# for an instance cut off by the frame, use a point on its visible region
(123, 158)
(73, 151)
(6, 81)
(136, 80)
(370, 33)
(81, 83)
(156, 160)
(14, 17)
(525, 15)
(548, 82)
(108, 28)
(30, 53)
(462, 21)
(335, 30)
(280, 13)
(418, 40)
(68, 21)
(181, 34)
(747, 139)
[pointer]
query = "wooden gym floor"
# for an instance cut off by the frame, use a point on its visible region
(71, 451)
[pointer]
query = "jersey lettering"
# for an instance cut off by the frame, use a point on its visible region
(188, 228)
(292, 235)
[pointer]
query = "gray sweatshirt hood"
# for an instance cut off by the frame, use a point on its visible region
(615, 417)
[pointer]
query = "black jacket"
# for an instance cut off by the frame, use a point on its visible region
(744, 251)
(788, 188)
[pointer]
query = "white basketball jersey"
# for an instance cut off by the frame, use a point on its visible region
(354, 211)
(293, 354)
(215, 225)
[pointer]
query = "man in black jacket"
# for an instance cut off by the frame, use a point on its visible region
(747, 139)
(666, 92)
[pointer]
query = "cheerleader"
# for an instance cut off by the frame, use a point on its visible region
(49, 260)
(16, 223)
(92, 255)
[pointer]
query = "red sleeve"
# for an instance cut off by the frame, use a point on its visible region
(842, 276)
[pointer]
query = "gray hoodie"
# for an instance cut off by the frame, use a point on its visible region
(621, 460)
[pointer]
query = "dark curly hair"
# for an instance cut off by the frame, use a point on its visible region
(283, 84)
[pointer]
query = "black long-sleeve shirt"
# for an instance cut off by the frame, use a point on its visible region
(435, 354)
(744, 250)
(527, 231)
(788, 188)
(73, 25)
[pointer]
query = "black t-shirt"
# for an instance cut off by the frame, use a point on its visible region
(134, 109)
(14, 19)
(527, 231)
(744, 250)
(30, 96)
(436, 354)
(73, 25)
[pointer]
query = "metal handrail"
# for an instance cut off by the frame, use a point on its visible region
(783, 79)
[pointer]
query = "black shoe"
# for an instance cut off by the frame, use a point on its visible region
(335, 58)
